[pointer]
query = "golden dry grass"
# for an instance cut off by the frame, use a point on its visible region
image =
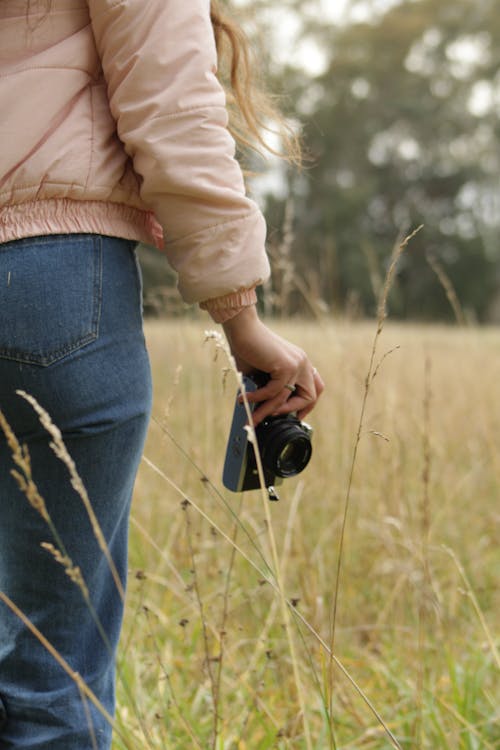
(204, 648)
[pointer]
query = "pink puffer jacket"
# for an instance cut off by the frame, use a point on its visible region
(112, 121)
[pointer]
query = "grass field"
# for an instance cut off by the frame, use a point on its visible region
(230, 619)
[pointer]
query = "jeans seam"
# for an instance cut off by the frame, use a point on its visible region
(97, 301)
(139, 281)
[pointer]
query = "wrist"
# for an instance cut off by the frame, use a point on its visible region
(245, 317)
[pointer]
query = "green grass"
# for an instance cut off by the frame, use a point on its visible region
(205, 650)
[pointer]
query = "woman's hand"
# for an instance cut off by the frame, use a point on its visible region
(294, 385)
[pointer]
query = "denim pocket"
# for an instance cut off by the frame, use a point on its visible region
(50, 296)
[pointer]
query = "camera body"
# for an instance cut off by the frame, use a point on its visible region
(284, 444)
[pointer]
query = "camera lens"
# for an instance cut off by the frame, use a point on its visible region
(294, 457)
(285, 446)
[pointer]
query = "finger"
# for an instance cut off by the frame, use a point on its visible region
(269, 391)
(284, 405)
(270, 407)
(282, 394)
(276, 405)
(275, 386)
(319, 383)
(302, 414)
(304, 391)
(304, 398)
(295, 404)
(320, 387)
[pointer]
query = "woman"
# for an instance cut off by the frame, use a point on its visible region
(113, 131)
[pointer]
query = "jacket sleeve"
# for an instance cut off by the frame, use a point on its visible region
(159, 61)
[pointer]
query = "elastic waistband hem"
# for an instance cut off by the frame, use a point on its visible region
(67, 216)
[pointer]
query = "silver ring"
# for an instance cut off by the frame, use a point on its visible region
(290, 387)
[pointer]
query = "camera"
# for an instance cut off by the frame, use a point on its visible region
(284, 444)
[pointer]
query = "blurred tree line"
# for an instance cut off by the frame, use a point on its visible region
(401, 128)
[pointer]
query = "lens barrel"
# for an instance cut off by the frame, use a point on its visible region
(285, 445)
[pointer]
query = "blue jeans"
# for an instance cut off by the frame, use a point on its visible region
(71, 336)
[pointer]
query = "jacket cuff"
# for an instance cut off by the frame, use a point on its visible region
(224, 308)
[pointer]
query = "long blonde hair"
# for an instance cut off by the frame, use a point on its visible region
(252, 110)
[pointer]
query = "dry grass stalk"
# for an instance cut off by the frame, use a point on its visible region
(177, 380)
(286, 280)
(376, 279)
(209, 657)
(470, 593)
(222, 344)
(24, 479)
(222, 633)
(75, 676)
(72, 571)
(426, 583)
(448, 287)
(283, 263)
(88, 717)
(478, 737)
(260, 646)
(21, 458)
(397, 252)
(60, 450)
(20, 455)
